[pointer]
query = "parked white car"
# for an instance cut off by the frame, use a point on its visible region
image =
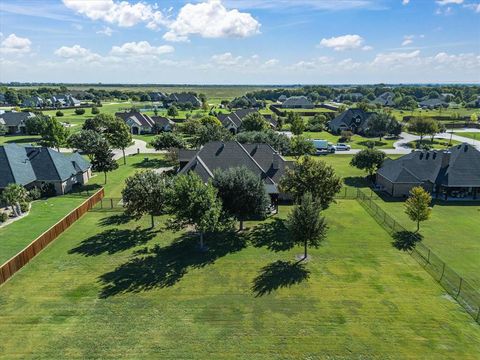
(342, 146)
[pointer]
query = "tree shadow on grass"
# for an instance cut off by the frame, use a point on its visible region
(406, 240)
(368, 142)
(152, 164)
(161, 267)
(119, 219)
(277, 275)
(112, 241)
(356, 181)
(274, 235)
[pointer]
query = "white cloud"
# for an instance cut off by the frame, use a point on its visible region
(122, 13)
(107, 31)
(448, 2)
(271, 62)
(211, 20)
(474, 7)
(345, 42)
(226, 59)
(396, 58)
(76, 52)
(141, 48)
(367, 48)
(14, 44)
(245, 64)
(405, 2)
(407, 40)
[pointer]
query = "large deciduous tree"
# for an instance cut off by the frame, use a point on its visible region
(102, 159)
(307, 227)
(242, 193)
(195, 204)
(300, 146)
(422, 126)
(118, 135)
(167, 140)
(313, 176)
(254, 122)
(145, 193)
(53, 134)
(417, 206)
(85, 140)
(369, 160)
(297, 125)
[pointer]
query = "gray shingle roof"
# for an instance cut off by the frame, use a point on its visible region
(24, 165)
(385, 99)
(351, 118)
(13, 118)
(294, 101)
(235, 117)
(258, 158)
(459, 166)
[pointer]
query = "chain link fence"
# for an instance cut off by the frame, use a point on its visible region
(457, 287)
(109, 204)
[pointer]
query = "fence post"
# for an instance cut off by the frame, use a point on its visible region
(459, 287)
(443, 271)
(101, 203)
(111, 203)
(428, 257)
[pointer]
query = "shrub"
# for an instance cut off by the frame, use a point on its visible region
(3, 217)
(48, 190)
(79, 111)
(346, 136)
(59, 113)
(35, 193)
(24, 206)
(95, 110)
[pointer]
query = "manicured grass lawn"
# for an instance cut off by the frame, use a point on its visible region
(399, 114)
(437, 143)
(452, 233)
(45, 213)
(357, 141)
(21, 139)
(105, 289)
(470, 135)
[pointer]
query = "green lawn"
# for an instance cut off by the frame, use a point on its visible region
(357, 141)
(399, 114)
(470, 135)
(452, 233)
(45, 213)
(437, 143)
(107, 288)
(20, 139)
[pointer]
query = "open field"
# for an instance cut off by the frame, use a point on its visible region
(399, 114)
(452, 233)
(357, 141)
(107, 288)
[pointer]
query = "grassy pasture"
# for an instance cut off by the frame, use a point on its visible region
(111, 288)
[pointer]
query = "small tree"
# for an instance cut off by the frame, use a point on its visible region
(3, 129)
(118, 135)
(167, 140)
(13, 195)
(306, 225)
(196, 204)
(59, 113)
(79, 111)
(417, 206)
(98, 123)
(378, 125)
(102, 160)
(422, 126)
(346, 135)
(298, 125)
(394, 128)
(210, 120)
(254, 122)
(300, 146)
(242, 193)
(53, 134)
(34, 125)
(95, 110)
(85, 140)
(172, 111)
(145, 193)
(313, 176)
(369, 160)
(209, 133)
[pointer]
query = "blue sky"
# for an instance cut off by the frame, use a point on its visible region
(240, 41)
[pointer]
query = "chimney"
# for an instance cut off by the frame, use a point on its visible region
(446, 158)
(276, 161)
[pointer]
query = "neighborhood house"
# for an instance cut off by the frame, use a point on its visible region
(233, 121)
(355, 120)
(36, 166)
(15, 121)
(454, 173)
(261, 159)
(297, 102)
(144, 124)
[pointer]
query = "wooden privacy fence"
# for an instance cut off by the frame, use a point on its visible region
(19, 260)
